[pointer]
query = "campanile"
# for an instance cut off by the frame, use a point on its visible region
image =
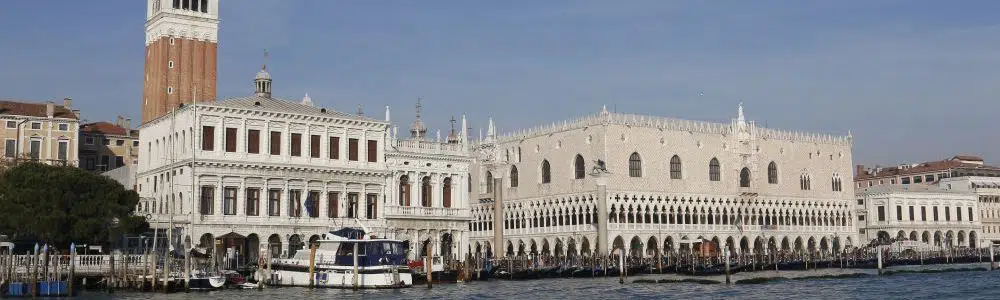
(181, 51)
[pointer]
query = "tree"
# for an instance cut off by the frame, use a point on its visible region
(60, 205)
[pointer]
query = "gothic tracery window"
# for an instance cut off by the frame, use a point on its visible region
(772, 173)
(713, 170)
(546, 172)
(745, 177)
(489, 182)
(634, 165)
(579, 167)
(675, 167)
(513, 176)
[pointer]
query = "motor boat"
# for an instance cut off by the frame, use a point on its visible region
(346, 258)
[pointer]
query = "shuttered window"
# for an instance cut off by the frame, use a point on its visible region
(208, 138)
(296, 144)
(352, 149)
(253, 141)
(334, 147)
(230, 139)
(275, 143)
(372, 151)
(314, 146)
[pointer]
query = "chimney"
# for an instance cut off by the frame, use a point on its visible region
(859, 170)
(118, 121)
(68, 103)
(128, 123)
(76, 112)
(50, 109)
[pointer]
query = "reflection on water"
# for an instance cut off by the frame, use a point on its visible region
(955, 285)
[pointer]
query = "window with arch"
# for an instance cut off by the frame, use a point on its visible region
(446, 192)
(513, 176)
(835, 183)
(772, 173)
(489, 182)
(714, 170)
(425, 191)
(579, 167)
(518, 154)
(546, 172)
(675, 167)
(745, 177)
(404, 190)
(804, 182)
(634, 165)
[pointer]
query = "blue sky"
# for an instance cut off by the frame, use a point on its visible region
(913, 80)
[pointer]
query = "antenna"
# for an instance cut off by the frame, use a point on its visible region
(265, 59)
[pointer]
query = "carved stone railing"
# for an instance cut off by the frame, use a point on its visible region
(419, 212)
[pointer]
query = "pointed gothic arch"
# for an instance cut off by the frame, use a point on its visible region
(546, 171)
(714, 172)
(745, 177)
(675, 167)
(579, 167)
(634, 165)
(772, 173)
(513, 176)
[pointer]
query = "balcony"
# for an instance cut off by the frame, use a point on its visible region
(422, 146)
(419, 212)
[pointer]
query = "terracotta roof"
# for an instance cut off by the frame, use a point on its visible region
(105, 128)
(927, 167)
(8, 107)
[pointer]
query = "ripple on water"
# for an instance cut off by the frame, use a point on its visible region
(954, 285)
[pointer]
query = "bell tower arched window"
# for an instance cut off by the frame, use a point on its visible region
(446, 192)
(634, 165)
(425, 192)
(745, 177)
(772, 173)
(546, 172)
(579, 167)
(404, 190)
(714, 170)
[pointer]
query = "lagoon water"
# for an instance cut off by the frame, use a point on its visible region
(950, 285)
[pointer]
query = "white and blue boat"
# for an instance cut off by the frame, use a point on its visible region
(346, 258)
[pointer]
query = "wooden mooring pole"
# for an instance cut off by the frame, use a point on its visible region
(725, 254)
(72, 269)
(312, 266)
(993, 263)
(429, 269)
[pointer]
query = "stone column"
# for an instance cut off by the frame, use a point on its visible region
(601, 244)
(416, 186)
(436, 194)
(498, 218)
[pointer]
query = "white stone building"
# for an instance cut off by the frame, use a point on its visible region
(932, 214)
(427, 195)
(987, 190)
(258, 173)
(669, 185)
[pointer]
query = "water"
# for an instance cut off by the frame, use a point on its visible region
(953, 285)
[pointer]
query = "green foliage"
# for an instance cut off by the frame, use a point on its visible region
(60, 205)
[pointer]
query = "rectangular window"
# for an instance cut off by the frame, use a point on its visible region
(911, 213)
(229, 201)
(207, 200)
(88, 140)
(881, 213)
(106, 142)
(119, 142)
(10, 146)
(207, 138)
(89, 163)
(63, 127)
(105, 162)
(119, 161)
(296, 144)
(314, 146)
(230, 139)
(274, 202)
(861, 201)
(295, 203)
(11, 124)
(352, 205)
(892, 181)
(352, 149)
(275, 143)
(36, 149)
(334, 147)
(917, 179)
(333, 204)
(372, 151)
(906, 180)
(935, 212)
(253, 141)
(971, 218)
(312, 204)
(899, 213)
(36, 125)
(947, 213)
(371, 206)
(923, 213)
(253, 202)
(929, 178)
(958, 214)
(861, 217)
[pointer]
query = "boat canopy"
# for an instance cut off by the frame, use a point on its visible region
(350, 233)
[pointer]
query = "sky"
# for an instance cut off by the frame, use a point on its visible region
(912, 80)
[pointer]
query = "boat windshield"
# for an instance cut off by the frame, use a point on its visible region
(372, 253)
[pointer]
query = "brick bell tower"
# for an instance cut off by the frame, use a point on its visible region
(181, 54)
